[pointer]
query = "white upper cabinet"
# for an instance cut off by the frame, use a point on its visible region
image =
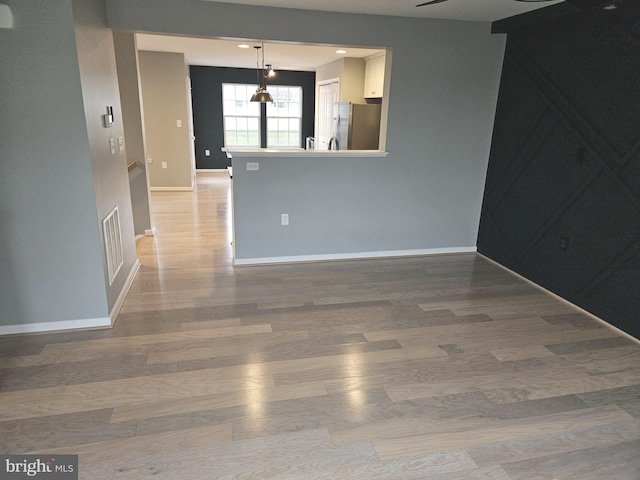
(374, 76)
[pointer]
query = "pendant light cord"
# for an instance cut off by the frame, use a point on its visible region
(258, 66)
(264, 80)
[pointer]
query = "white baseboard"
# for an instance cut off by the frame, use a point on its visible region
(171, 189)
(353, 256)
(211, 170)
(563, 300)
(82, 324)
(151, 232)
(43, 327)
(123, 293)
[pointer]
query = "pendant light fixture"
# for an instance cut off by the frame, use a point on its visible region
(270, 71)
(261, 94)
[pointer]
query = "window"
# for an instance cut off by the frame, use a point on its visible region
(241, 117)
(284, 117)
(244, 120)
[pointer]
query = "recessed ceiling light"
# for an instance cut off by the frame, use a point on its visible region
(341, 51)
(243, 46)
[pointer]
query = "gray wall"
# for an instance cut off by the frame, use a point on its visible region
(428, 192)
(99, 80)
(51, 258)
(129, 83)
(163, 78)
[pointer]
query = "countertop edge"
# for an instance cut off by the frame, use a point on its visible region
(232, 153)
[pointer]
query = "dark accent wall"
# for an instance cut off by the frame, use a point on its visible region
(562, 196)
(206, 92)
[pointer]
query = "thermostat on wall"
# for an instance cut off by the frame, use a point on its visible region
(108, 118)
(6, 17)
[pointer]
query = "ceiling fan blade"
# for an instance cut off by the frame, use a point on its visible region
(430, 3)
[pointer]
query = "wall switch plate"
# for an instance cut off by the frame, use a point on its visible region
(112, 146)
(179, 123)
(284, 219)
(207, 153)
(120, 144)
(253, 166)
(164, 164)
(149, 160)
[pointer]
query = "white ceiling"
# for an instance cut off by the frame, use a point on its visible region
(283, 56)
(225, 53)
(472, 10)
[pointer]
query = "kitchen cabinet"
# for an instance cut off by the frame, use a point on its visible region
(374, 76)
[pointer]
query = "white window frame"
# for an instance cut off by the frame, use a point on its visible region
(274, 90)
(226, 116)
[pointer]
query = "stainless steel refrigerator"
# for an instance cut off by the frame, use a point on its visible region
(356, 126)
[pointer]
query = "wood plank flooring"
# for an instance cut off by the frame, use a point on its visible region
(432, 368)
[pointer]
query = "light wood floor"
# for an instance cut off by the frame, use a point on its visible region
(443, 367)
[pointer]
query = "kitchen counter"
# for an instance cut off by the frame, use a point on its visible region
(324, 195)
(272, 152)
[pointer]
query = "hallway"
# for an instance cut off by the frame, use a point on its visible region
(433, 368)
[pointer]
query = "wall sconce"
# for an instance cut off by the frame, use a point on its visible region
(6, 17)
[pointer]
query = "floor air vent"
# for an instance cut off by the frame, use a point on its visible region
(113, 243)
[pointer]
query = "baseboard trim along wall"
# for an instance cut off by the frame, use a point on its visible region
(82, 324)
(43, 327)
(171, 189)
(563, 300)
(352, 256)
(123, 293)
(212, 170)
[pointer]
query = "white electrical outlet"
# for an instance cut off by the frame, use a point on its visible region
(149, 160)
(112, 146)
(120, 144)
(284, 219)
(253, 166)
(164, 164)
(207, 153)
(179, 123)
